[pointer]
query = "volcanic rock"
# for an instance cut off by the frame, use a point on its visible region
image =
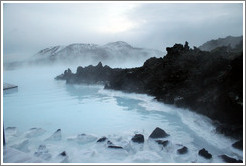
(158, 133)
(139, 138)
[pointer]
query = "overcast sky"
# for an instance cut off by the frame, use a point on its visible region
(28, 28)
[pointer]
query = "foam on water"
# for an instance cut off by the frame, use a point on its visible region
(85, 113)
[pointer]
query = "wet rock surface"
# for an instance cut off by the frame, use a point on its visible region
(103, 139)
(230, 159)
(114, 147)
(182, 150)
(63, 153)
(139, 138)
(204, 153)
(158, 133)
(238, 145)
(163, 143)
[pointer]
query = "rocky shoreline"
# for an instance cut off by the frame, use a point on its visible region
(209, 83)
(158, 140)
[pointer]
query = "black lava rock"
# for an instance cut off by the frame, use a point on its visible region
(163, 143)
(139, 138)
(63, 153)
(102, 139)
(230, 160)
(115, 147)
(158, 133)
(204, 153)
(182, 150)
(238, 144)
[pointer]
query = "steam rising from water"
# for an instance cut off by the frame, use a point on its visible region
(43, 102)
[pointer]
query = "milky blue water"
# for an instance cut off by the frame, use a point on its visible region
(43, 102)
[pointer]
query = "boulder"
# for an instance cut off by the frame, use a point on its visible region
(139, 138)
(63, 157)
(163, 143)
(182, 150)
(230, 160)
(158, 133)
(204, 153)
(238, 144)
(63, 153)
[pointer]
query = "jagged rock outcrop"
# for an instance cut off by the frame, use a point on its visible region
(158, 133)
(210, 83)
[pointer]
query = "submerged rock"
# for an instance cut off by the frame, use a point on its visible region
(56, 136)
(83, 138)
(63, 157)
(109, 142)
(12, 131)
(182, 150)
(139, 138)
(34, 132)
(230, 160)
(23, 146)
(204, 153)
(163, 143)
(238, 144)
(158, 133)
(43, 152)
(115, 147)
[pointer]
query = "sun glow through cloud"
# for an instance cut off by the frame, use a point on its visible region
(116, 25)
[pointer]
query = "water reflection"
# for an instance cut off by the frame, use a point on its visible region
(10, 91)
(82, 92)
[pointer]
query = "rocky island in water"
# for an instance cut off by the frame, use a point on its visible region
(207, 82)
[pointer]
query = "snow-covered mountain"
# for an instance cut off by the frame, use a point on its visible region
(117, 52)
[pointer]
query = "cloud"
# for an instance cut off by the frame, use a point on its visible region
(29, 27)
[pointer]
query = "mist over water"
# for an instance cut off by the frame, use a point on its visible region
(43, 102)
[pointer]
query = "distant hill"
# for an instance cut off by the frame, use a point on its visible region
(228, 41)
(117, 52)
